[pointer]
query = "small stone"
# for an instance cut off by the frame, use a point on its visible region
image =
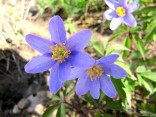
(23, 103)
(39, 109)
(37, 102)
(16, 110)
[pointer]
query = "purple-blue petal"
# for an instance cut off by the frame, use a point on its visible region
(112, 4)
(79, 41)
(115, 71)
(64, 71)
(39, 64)
(75, 73)
(129, 20)
(40, 44)
(133, 6)
(123, 2)
(109, 14)
(81, 59)
(57, 30)
(54, 83)
(108, 59)
(94, 88)
(82, 85)
(107, 86)
(115, 23)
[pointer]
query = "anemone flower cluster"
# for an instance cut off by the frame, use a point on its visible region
(120, 12)
(97, 77)
(59, 54)
(66, 60)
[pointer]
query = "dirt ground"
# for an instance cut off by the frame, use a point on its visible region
(22, 94)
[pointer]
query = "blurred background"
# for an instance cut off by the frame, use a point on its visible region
(27, 95)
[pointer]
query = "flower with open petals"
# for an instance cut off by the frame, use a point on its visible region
(59, 54)
(97, 76)
(120, 12)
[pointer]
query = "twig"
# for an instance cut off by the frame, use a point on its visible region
(76, 108)
(28, 8)
(84, 111)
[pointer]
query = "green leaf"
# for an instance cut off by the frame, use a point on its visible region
(108, 115)
(149, 75)
(147, 9)
(139, 79)
(126, 67)
(127, 44)
(55, 98)
(139, 44)
(115, 35)
(141, 69)
(109, 50)
(50, 110)
(150, 34)
(115, 105)
(117, 47)
(102, 95)
(98, 48)
(129, 88)
(98, 114)
(71, 91)
(154, 37)
(119, 87)
(147, 113)
(89, 98)
(148, 85)
(61, 111)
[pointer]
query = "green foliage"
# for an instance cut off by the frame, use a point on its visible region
(50, 110)
(136, 57)
(68, 7)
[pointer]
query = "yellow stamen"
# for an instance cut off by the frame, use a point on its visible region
(121, 11)
(59, 52)
(95, 72)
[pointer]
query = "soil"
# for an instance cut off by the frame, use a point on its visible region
(15, 84)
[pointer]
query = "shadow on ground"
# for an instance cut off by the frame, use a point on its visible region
(16, 84)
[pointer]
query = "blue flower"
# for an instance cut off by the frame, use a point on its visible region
(96, 77)
(59, 54)
(120, 12)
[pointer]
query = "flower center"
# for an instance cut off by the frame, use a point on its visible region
(121, 11)
(95, 72)
(59, 52)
